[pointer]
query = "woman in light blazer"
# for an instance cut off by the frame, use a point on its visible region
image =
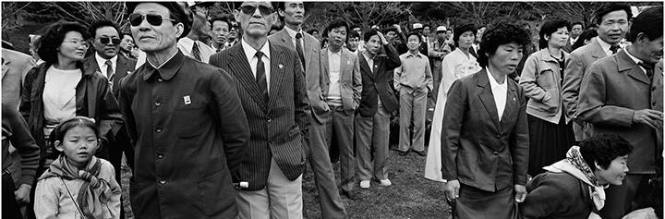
(550, 133)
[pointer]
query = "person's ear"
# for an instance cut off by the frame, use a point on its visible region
(180, 29)
(598, 167)
(58, 146)
(236, 15)
(546, 37)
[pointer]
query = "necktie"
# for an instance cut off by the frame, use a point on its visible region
(109, 69)
(649, 69)
(299, 49)
(196, 52)
(261, 76)
(614, 48)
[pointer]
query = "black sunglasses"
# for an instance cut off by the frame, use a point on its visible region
(135, 19)
(250, 9)
(107, 40)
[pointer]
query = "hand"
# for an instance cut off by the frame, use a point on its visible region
(452, 190)
(520, 193)
(383, 38)
(649, 117)
(23, 194)
(399, 28)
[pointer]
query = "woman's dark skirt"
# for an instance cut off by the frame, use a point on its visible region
(548, 142)
(474, 203)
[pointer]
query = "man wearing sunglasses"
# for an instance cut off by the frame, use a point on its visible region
(271, 85)
(114, 67)
(185, 119)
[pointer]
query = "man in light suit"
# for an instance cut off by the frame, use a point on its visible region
(612, 23)
(271, 86)
(341, 84)
(293, 37)
(15, 65)
(623, 94)
(575, 32)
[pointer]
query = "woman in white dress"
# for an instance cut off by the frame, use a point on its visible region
(456, 65)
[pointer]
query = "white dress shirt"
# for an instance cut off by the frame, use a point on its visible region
(101, 62)
(185, 45)
(292, 34)
(637, 61)
(500, 93)
(605, 46)
(250, 52)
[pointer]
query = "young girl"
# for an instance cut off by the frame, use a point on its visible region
(77, 184)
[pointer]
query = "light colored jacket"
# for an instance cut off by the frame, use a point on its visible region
(541, 80)
(53, 200)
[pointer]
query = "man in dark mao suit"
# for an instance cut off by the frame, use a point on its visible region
(186, 122)
(271, 86)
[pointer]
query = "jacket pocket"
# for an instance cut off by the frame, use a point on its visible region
(189, 121)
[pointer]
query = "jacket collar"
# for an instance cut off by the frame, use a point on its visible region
(168, 70)
(544, 55)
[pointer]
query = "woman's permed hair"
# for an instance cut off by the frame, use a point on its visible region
(550, 27)
(500, 34)
(602, 149)
(54, 36)
(461, 29)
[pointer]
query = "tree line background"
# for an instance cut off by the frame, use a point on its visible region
(22, 18)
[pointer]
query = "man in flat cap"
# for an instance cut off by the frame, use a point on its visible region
(185, 120)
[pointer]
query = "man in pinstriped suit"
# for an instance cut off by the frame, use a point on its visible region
(271, 86)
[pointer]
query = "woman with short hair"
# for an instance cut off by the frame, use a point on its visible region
(60, 88)
(550, 130)
(485, 140)
(574, 186)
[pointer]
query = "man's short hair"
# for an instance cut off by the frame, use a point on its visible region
(222, 19)
(176, 12)
(459, 30)
(391, 28)
(602, 149)
(369, 34)
(335, 24)
(502, 33)
(609, 8)
(414, 33)
(649, 22)
(102, 23)
(550, 27)
(353, 34)
(577, 23)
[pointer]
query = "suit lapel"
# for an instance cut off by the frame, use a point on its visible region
(277, 71)
(346, 66)
(243, 72)
(364, 66)
(486, 97)
(625, 63)
(324, 66)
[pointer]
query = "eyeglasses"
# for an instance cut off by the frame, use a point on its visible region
(136, 19)
(107, 40)
(250, 9)
(78, 42)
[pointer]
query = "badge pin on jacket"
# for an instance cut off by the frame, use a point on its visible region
(187, 100)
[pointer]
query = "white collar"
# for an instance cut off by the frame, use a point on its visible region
(250, 52)
(493, 81)
(101, 61)
(604, 45)
(186, 42)
(635, 59)
(292, 33)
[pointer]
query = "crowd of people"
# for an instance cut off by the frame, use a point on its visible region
(218, 117)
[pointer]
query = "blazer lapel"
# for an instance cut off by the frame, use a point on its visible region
(277, 71)
(364, 66)
(324, 66)
(511, 104)
(243, 72)
(486, 97)
(346, 66)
